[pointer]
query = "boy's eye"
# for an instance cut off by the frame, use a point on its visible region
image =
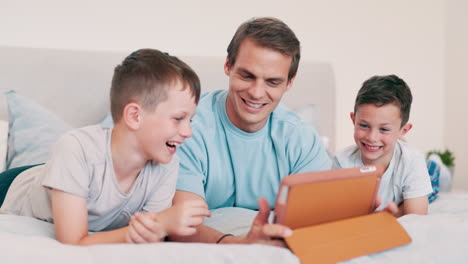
(363, 125)
(384, 129)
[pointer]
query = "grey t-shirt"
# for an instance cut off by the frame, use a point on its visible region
(81, 164)
(406, 176)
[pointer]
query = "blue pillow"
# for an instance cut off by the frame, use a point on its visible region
(107, 121)
(434, 172)
(32, 131)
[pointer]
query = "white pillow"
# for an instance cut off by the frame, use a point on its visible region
(3, 143)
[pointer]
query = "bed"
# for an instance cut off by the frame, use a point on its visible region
(57, 90)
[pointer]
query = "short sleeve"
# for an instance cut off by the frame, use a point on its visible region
(306, 151)
(336, 163)
(66, 168)
(417, 181)
(163, 193)
(192, 155)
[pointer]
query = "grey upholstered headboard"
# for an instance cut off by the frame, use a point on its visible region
(75, 84)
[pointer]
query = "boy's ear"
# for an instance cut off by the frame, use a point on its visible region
(132, 115)
(405, 129)
(351, 114)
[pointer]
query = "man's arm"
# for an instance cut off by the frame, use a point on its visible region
(261, 231)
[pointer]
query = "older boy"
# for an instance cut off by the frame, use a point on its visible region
(380, 119)
(97, 178)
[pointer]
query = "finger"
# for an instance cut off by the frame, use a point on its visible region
(149, 229)
(392, 208)
(276, 230)
(196, 203)
(378, 202)
(263, 212)
(133, 234)
(198, 212)
(194, 221)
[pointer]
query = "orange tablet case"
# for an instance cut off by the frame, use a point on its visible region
(331, 214)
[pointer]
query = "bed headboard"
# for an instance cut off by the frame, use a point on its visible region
(75, 84)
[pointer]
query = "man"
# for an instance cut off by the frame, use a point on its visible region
(243, 142)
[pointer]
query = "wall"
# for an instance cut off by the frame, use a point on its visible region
(456, 125)
(359, 38)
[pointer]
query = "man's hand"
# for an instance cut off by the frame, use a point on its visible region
(262, 232)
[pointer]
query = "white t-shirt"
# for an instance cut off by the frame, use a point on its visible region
(406, 176)
(81, 164)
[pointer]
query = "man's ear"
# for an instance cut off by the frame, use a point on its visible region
(351, 114)
(132, 116)
(227, 67)
(405, 129)
(290, 83)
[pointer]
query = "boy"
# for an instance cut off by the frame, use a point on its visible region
(380, 119)
(97, 178)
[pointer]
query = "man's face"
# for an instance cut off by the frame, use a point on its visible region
(257, 81)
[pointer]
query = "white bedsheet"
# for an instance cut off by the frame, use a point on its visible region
(440, 237)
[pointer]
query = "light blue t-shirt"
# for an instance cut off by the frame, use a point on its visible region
(230, 167)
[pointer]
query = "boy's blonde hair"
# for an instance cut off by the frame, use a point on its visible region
(145, 76)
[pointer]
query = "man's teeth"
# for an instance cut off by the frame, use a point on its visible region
(254, 105)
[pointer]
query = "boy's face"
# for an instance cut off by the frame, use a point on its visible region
(257, 81)
(165, 128)
(376, 131)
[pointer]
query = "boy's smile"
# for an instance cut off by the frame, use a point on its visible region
(164, 129)
(376, 131)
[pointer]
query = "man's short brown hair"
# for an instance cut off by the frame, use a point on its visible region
(270, 33)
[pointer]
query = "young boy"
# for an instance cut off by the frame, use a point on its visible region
(380, 119)
(97, 178)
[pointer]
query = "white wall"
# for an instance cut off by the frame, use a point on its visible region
(456, 125)
(359, 38)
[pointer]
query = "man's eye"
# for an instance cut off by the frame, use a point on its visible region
(245, 76)
(274, 83)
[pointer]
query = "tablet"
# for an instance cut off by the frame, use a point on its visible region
(313, 198)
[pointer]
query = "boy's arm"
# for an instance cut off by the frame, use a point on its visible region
(70, 215)
(418, 205)
(260, 232)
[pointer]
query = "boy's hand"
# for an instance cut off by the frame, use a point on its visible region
(144, 229)
(181, 219)
(391, 207)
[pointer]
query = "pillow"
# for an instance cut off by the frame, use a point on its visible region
(434, 172)
(33, 130)
(3, 143)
